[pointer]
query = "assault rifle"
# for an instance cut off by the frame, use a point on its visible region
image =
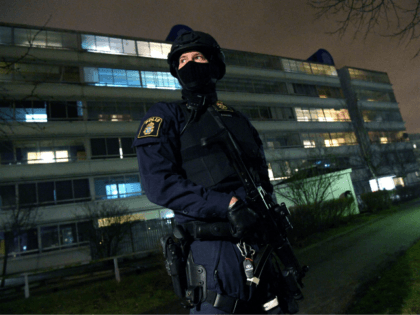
(274, 217)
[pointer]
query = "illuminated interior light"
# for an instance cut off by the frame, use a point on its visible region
(36, 118)
(384, 140)
(62, 156)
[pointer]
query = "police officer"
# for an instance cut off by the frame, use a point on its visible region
(196, 181)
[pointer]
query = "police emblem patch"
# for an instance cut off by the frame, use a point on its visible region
(150, 127)
(221, 107)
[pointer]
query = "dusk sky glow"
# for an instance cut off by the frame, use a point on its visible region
(285, 28)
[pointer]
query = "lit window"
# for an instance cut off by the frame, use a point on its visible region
(40, 157)
(36, 118)
(309, 143)
(48, 157)
(62, 156)
(334, 142)
(414, 146)
(384, 140)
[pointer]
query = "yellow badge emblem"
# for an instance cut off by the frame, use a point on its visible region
(220, 106)
(150, 127)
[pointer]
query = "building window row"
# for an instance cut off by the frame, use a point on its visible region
(154, 80)
(277, 140)
(112, 148)
(383, 137)
(328, 139)
(356, 74)
(63, 150)
(113, 187)
(375, 96)
(400, 157)
(49, 193)
(130, 78)
(317, 91)
(291, 65)
(120, 46)
(42, 151)
(322, 114)
(117, 111)
(381, 115)
(38, 73)
(40, 111)
(282, 169)
(51, 237)
(230, 84)
(45, 193)
(37, 38)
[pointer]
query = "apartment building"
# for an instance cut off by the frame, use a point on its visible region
(71, 103)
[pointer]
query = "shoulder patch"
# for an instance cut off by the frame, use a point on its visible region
(150, 128)
(221, 107)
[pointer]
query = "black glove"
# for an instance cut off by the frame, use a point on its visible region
(243, 220)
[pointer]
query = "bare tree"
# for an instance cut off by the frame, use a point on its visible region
(14, 222)
(111, 223)
(401, 18)
(309, 183)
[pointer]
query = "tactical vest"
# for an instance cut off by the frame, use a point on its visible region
(209, 165)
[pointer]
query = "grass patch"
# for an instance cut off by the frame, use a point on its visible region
(133, 295)
(352, 222)
(398, 289)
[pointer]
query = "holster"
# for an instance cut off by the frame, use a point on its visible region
(189, 280)
(175, 264)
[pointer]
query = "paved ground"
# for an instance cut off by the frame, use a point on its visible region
(339, 266)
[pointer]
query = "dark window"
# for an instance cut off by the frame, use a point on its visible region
(57, 110)
(83, 230)
(6, 152)
(49, 237)
(27, 193)
(113, 146)
(7, 195)
(265, 112)
(126, 146)
(72, 110)
(64, 190)
(81, 188)
(46, 192)
(98, 146)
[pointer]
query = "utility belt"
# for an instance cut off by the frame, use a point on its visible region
(189, 279)
(203, 231)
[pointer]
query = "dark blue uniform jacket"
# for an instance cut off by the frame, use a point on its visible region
(160, 164)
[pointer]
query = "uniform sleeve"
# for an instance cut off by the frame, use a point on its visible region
(159, 159)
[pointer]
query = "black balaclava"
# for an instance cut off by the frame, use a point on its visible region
(198, 84)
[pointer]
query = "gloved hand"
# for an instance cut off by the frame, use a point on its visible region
(243, 220)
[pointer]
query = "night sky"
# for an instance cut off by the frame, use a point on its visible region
(286, 28)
